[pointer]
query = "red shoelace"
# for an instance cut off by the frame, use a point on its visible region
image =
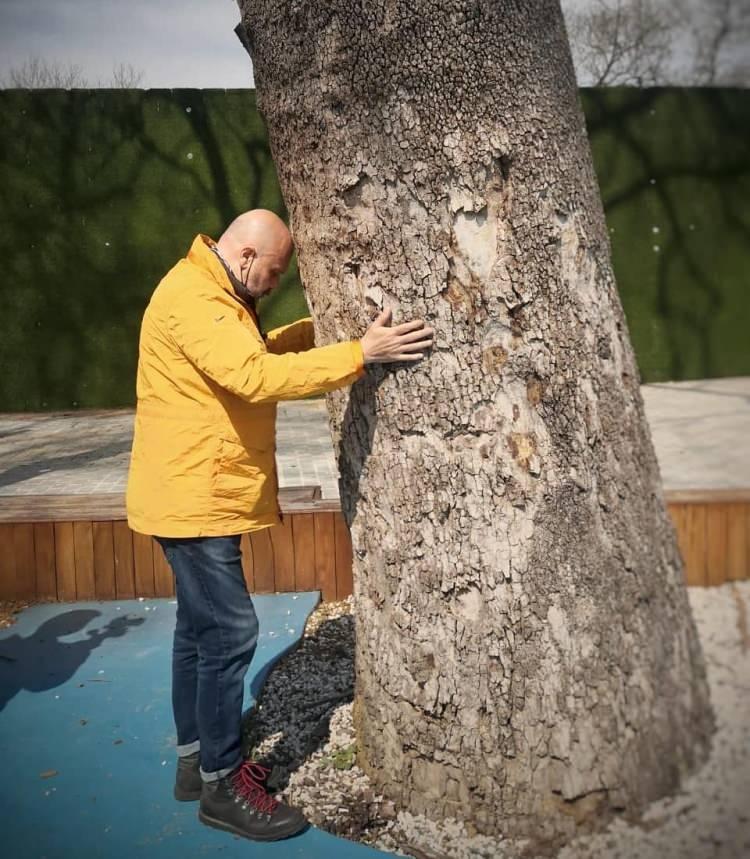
(248, 783)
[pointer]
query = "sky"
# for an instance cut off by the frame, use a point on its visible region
(174, 43)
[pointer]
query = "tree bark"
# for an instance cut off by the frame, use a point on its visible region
(526, 657)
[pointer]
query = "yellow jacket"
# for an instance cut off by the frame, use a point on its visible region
(203, 461)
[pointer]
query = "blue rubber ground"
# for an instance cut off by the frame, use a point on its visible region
(87, 738)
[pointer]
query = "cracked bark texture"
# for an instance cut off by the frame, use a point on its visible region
(526, 657)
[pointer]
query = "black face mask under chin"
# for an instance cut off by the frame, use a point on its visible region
(240, 288)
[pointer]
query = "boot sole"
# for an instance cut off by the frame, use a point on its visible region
(235, 830)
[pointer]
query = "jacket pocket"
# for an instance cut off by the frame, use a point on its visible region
(246, 473)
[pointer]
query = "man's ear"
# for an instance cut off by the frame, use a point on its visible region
(247, 254)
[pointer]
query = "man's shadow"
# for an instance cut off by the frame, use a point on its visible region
(41, 661)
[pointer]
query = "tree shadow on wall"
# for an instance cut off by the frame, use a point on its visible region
(103, 193)
(57, 156)
(678, 160)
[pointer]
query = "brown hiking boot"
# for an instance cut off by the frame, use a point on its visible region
(188, 781)
(239, 803)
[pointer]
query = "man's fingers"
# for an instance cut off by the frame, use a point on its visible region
(383, 317)
(421, 334)
(408, 326)
(417, 344)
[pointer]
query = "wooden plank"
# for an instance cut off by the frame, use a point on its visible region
(104, 560)
(326, 505)
(263, 561)
(325, 555)
(303, 531)
(143, 564)
(694, 546)
(738, 542)
(163, 576)
(7, 562)
(68, 508)
(76, 413)
(23, 539)
(124, 568)
(677, 513)
(83, 540)
(290, 495)
(248, 567)
(707, 496)
(65, 561)
(282, 540)
(344, 577)
(107, 506)
(716, 543)
(44, 550)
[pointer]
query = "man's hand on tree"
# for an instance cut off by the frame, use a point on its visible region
(405, 342)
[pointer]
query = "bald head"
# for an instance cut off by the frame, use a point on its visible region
(258, 247)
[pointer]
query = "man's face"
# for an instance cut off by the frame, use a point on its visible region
(260, 272)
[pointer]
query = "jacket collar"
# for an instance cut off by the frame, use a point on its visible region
(200, 254)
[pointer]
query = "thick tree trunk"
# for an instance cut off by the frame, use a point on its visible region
(526, 656)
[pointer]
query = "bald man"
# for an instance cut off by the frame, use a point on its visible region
(203, 472)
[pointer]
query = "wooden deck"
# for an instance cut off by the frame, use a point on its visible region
(713, 532)
(79, 547)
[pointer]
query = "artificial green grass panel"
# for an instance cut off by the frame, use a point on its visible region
(673, 167)
(104, 190)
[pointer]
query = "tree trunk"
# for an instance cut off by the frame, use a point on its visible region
(526, 655)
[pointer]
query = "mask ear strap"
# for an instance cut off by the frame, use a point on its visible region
(238, 285)
(244, 282)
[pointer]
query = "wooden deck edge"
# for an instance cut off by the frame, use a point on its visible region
(98, 556)
(707, 496)
(110, 507)
(70, 413)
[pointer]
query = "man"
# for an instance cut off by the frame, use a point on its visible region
(203, 471)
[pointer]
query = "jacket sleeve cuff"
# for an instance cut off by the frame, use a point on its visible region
(359, 357)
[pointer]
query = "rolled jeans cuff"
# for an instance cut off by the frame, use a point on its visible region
(219, 773)
(189, 749)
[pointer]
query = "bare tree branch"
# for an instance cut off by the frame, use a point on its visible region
(720, 32)
(126, 76)
(39, 73)
(643, 42)
(622, 42)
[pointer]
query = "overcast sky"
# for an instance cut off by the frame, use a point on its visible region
(174, 43)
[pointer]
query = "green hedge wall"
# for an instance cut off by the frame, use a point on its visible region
(674, 171)
(103, 190)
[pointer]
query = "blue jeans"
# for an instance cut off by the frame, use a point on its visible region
(214, 640)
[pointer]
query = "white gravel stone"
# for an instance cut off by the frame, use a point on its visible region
(303, 728)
